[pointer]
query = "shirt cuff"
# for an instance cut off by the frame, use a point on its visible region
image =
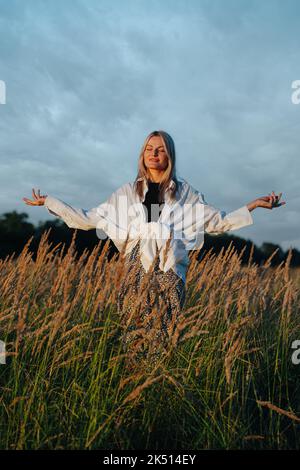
(51, 203)
(241, 217)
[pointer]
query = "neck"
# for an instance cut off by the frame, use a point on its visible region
(156, 175)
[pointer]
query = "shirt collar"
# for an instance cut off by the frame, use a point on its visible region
(143, 178)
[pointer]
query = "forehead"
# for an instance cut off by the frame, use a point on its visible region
(155, 140)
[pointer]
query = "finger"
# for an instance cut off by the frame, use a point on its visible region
(33, 193)
(277, 199)
(280, 204)
(264, 200)
(265, 204)
(39, 194)
(31, 203)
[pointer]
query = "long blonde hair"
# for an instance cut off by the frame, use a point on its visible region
(170, 171)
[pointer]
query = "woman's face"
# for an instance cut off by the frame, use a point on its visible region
(155, 156)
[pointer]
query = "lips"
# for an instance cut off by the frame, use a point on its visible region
(154, 160)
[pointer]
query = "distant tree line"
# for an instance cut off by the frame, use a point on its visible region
(15, 231)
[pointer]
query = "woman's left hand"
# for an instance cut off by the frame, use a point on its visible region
(266, 202)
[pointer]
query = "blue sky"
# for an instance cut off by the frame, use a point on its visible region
(87, 81)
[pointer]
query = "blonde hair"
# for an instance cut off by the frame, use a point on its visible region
(170, 171)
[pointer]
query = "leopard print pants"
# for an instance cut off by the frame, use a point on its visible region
(148, 309)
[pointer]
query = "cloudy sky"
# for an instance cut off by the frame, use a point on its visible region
(88, 80)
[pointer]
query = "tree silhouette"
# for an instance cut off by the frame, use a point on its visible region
(269, 248)
(15, 231)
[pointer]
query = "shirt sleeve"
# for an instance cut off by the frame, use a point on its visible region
(217, 221)
(84, 219)
(74, 217)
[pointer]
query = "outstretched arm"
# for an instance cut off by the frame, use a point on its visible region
(216, 221)
(74, 217)
(109, 217)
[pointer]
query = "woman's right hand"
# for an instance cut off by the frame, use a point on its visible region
(38, 200)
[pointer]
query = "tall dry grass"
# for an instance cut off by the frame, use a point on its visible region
(227, 380)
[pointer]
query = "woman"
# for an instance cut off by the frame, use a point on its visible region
(155, 221)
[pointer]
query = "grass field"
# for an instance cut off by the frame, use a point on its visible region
(227, 380)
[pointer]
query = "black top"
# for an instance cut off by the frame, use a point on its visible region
(151, 197)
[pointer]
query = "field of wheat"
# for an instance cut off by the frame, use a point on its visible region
(226, 381)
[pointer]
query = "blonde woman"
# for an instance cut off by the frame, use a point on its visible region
(157, 219)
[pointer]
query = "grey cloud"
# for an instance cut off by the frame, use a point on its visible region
(87, 81)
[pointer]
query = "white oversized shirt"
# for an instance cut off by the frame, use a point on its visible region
(185, 220)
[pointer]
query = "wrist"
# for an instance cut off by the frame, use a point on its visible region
(252, 205)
